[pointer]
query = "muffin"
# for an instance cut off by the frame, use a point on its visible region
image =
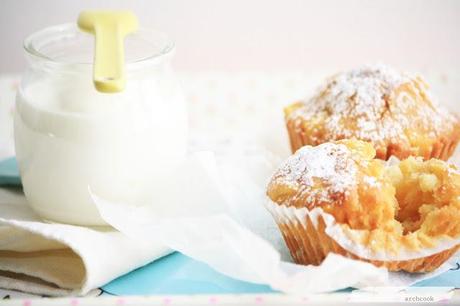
(377, 104)
(337, 197)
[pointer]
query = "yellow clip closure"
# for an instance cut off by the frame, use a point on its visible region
(109, 29)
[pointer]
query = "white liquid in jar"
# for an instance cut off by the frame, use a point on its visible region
(71, 139)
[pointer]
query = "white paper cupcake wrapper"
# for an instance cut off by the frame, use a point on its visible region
(291, 215)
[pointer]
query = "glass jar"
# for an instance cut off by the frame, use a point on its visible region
(73, 142)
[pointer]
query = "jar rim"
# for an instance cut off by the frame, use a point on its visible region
(36, 40)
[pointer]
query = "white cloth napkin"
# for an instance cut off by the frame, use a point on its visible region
(58, 259)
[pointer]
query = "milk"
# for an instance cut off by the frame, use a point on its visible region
(72, 141)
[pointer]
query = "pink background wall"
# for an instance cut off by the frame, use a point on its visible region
(289, 35)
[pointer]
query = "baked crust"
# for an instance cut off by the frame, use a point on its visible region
(394, 111)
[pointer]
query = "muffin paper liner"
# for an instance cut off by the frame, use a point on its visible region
(312, 235)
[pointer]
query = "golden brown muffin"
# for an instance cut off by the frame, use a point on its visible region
(377, 104)
(336, 197)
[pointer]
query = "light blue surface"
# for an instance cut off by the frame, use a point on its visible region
(179, 274)
(9, 173)
(449, 278)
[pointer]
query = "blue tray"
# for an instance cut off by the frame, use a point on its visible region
(179, 274)
(9, 173)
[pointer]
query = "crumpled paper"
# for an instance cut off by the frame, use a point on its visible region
(212, 210)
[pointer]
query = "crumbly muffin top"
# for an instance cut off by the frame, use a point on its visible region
(329, 165)
(327, 174)
(373, 103)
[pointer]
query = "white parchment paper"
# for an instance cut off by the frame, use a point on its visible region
(213, 211)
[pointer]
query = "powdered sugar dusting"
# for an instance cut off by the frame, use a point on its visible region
(319, 172)
(371, 181)
(366, 104)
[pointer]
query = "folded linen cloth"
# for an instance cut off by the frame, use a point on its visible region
(58, 259)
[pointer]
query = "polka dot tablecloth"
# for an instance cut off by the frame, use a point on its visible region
(238, 107)
(435, 296)
(223, 109)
